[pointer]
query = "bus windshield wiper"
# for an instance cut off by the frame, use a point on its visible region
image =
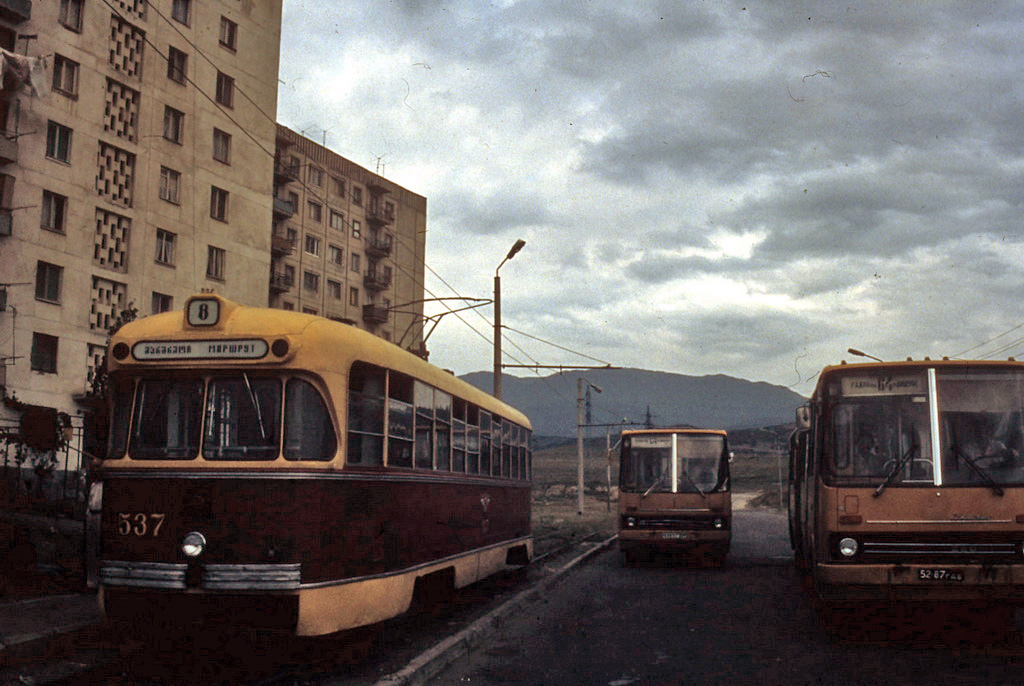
(693, 483)
(256, 404)
(661, 477)
(973, 464)
(896, 469)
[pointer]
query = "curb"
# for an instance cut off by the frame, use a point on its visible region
(431, 661)
(12, 641)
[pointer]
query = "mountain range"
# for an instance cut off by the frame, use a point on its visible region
(628, 396)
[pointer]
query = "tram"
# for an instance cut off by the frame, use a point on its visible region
(290, 473)
(907, 483)
(674, 493)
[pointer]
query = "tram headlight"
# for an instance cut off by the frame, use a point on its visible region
(848, 547)
(193, 544)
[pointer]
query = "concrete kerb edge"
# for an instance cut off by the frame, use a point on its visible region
(434, 659)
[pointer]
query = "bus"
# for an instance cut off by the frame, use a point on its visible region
(674, 493)
(285, 472)
(907, 484)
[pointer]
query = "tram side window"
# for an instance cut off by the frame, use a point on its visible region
(497, 439)
(472, 439)
(442, 430)
(458, 435)
(485, 442)
(122, 390)
(366, 414)
(424, 400)
(243, 419)
(400, 420)
(507, 441)
(514, 449)
(166, 419)
(308, 430)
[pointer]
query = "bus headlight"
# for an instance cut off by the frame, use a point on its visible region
(719, 523)
(848, 547)
(631, 522)
(193, 544)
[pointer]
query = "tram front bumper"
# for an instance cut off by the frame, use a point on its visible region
(919, 581)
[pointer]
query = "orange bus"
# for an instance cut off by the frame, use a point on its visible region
(282, 471)
(674, 493)
(907, 483)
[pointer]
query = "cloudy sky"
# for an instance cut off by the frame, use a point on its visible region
(745, 188)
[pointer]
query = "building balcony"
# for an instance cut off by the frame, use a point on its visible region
(8, 149)
(376, 215)
(16, 11)
(280, 282)
(377, 282)
(6, 222)
(283, 208)
(285, 171)
(375, 313)
(281, 245)
(379, 245)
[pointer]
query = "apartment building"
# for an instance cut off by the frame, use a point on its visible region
(347, 244)
(136, 168)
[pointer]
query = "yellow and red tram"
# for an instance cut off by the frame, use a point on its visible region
(288, 472)
(674, 492)
(907, 483)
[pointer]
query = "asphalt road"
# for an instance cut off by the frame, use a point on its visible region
(671, 622)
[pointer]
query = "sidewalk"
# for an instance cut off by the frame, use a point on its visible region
(23, 620)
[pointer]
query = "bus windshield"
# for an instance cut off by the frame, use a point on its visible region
(673, 463)
(223, 417)
(885, 429)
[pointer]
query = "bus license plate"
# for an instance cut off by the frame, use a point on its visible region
(940, 575)
(677, 535)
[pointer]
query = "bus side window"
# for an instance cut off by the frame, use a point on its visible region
(308, 431)
(366, 414)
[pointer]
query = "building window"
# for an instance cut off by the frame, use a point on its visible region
(215, 263)
(336, 255)
(308, 310)
(334, 289)
(222, 146)
(65, 76)
(177, 65)
(314, 210)
(54, 212)
(357, 195)
(339, 187)
(337, 220)
(165, 247)
(313, 245)
(315, 176)
(44, 353)
(311, 282)
(181, 11)
(48, 278)
(389, 210)
(353, 296)
(58, 142)
(162, 303)
(290, 307)
(218, 203)
(170, 185)
(71, 14)
(357, 230)
(228, 33)
(225, 90)
(355, 262)
(174, 124)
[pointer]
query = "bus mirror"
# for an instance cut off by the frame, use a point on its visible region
(731, 455)
(803, 417)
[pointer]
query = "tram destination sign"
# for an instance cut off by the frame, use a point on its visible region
(239, 349)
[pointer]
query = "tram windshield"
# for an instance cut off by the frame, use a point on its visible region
(886, 429)
(674, 463)
(224, 417)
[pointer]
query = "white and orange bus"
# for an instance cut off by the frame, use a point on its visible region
(674, 493)
(907, 483)
(282, 471)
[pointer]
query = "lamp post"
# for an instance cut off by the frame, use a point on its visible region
(516, 247)
(581, 422)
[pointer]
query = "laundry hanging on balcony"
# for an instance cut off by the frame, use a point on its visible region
(22, 71)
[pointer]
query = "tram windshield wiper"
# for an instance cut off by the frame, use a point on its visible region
(256, 404)
(977, 469)
(896, 469)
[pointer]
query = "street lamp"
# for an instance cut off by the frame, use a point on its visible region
(516, 247)
(581, 422)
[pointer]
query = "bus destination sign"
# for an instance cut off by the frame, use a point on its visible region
(241, 349)
(884, 384)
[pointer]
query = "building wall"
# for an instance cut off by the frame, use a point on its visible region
(107, 247)
(310, 175)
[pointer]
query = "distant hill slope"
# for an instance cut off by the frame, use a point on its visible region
(716, 402)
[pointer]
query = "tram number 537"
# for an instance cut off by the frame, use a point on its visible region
(139, 524)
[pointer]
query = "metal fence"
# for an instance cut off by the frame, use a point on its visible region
(27, 473)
